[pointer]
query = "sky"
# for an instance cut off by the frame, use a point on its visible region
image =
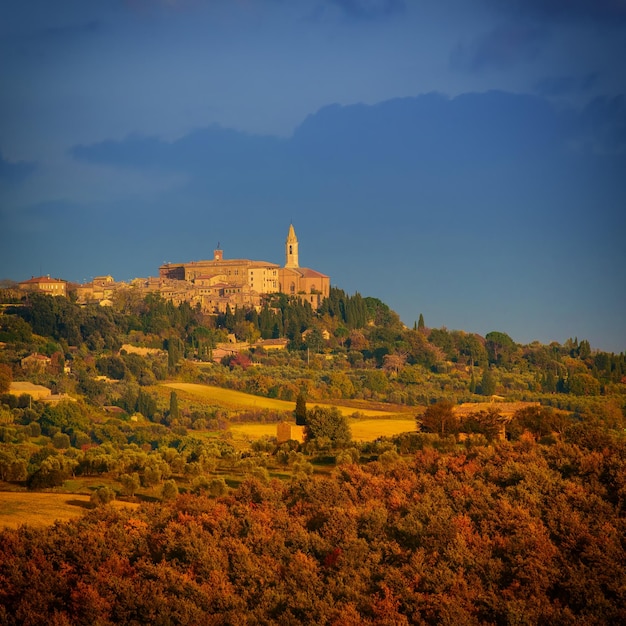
(462, 159)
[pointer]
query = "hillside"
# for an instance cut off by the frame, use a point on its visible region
(363, 472)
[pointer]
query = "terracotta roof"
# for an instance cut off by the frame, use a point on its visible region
(306, 272)
(41, 279)
(263, 264)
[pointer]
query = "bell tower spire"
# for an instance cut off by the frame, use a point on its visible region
(291, 248)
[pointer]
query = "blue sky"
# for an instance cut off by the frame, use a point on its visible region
(464, 160)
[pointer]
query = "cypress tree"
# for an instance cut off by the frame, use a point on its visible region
(488, 383)
(300, 412)
(174, 414)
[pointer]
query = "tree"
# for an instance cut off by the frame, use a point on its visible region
(102, 496)
(174, 413)
(61, 441)
(500, 347)
(329, 423)
(439, 418)
(6, 377)
(146, 404)
(420, 323)
(173, 354)
(393, 363)
(300, 412)
(170, 490)
(315, 340)
(130, 483)
(488, 383)
(583, 385)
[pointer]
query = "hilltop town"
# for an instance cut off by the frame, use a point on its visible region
(212, 285)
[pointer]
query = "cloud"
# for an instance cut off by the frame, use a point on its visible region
(501, 48)
(597, 10)
(393, 134)
(602, 127)
(205, 150)
(15, 171)
(429, 134)
(563, 85)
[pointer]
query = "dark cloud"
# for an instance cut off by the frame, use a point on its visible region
(501, 48)
(394, 134)
(370, 9)
(429, 138)
(597, 10)
(207, 150)
(431, 130)
(564, 85)
(602, 126)
(15, 171)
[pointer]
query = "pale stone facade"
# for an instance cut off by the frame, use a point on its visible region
(309, 285)
(243, 282)
(216, 283)
(45, 284)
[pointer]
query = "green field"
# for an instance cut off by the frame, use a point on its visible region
(230, 399)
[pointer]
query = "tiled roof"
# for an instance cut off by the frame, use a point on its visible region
(306, 272)
(41, 279)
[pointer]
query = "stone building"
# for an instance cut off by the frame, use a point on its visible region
(309, 285)
(216, 282)
(45, 284)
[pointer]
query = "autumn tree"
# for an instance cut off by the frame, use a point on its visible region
(439, 418)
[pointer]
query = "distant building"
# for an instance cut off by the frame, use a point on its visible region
(100, 289)
(217, 283)
(45, 284)
(241, 282)
(35, 363)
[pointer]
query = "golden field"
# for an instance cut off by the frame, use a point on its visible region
(362, 430)
(231, 399)
(42, 509)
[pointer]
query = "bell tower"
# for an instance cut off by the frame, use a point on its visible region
(291, 248)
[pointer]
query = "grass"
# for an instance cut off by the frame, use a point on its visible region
(369, 430)
(362, 430)
(42, 509)
(231, 399)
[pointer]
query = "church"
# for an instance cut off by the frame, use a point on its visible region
(243, 281)
(308, 284)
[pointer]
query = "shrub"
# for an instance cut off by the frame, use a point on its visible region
(102, 496)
